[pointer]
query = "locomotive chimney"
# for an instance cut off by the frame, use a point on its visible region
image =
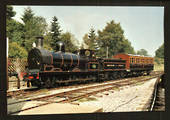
(39, 42)
(60, 46)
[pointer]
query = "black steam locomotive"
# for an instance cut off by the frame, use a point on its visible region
(49, 69)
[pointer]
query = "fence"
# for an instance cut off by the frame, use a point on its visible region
(16, 68)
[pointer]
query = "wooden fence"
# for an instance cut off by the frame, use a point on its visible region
(16, 66)
(16, 69)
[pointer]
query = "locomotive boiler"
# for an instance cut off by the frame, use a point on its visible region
(44, 60)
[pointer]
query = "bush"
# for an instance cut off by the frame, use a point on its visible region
(159, 60)
(16, 51)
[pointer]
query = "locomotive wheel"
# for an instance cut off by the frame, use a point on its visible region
(148, 73)
(116, 75)
(49, 83)
(28, 84)
(122, 74)
(53, 82)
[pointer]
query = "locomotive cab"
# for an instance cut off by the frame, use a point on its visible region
(86, 53)
(91, 64)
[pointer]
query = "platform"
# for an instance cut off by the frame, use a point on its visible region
(58, 108)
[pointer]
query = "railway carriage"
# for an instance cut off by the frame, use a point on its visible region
(136, 64)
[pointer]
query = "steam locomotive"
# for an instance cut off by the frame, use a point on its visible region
(49, 69)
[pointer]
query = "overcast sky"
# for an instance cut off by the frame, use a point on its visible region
(143, 26)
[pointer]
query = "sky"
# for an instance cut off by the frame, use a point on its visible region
(143, 26)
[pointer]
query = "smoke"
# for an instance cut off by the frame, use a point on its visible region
(18, 68)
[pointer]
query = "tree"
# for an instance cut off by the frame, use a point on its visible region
(69, 41)
(24, 34)
(9, 12)
(16, 51)
(15, 31)
(142, 52)
(47, 41)
(90, 39)
(27, 19)
(28, 15)
(84, 45)
(112, 36)
(33, 26)
(13, 28)
(159, 53)
(126, 47)
(55, 33)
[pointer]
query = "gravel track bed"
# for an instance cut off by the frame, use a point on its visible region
(127, 98)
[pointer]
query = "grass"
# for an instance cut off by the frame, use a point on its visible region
(87, 99)
(116, 88)
(139, 83)
(159, 67)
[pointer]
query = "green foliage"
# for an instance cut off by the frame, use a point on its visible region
(126, 47)
(112, 37)
(84, 45)
(22, 35)
(9, 12)
(142, 52)
(55, 33)
(160, 52)
(14, 31)
(16, 51)
(47, 41)
(33, 26)
(90, 40)
(28, 15)
(159, 60)
(158, 64)
(159, 55)
(69, 40)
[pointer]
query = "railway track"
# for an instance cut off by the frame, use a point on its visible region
(34, 90)
(22, 92)
(158, 99)
(79, 93)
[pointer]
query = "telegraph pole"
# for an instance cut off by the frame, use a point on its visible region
(107, 52)
(7, 63)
